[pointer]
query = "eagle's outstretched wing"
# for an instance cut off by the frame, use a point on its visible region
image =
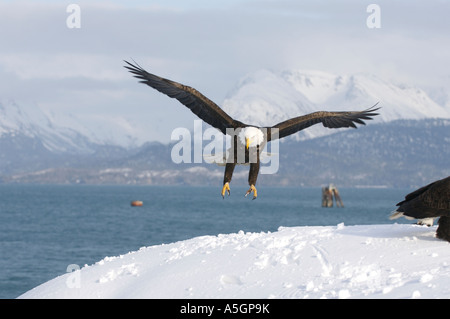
(328, 119)
(199, 104)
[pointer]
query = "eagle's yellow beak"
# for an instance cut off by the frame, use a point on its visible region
(247, 141)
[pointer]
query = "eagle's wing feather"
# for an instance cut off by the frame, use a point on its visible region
(416, 193)
(328, 119)
(199, 104)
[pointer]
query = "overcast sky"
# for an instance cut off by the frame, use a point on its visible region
(209, 45)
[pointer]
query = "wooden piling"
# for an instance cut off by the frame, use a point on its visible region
(328, 192)
(327, 197)
(337, 198)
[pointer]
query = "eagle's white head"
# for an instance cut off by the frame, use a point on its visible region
(251, 136)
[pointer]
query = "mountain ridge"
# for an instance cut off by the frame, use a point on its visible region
(283, 94)
(40, 147)
(402, 153)
(260, 98)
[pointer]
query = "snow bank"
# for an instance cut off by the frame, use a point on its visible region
(376, 261)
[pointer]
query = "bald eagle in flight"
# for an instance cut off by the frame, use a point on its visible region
(247, 140)
(426, 204)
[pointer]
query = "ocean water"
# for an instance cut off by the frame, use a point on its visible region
(46, 228)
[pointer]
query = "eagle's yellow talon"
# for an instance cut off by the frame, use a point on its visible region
(226, 188)
(252, 190)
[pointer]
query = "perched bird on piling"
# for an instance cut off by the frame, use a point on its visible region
(426, 204)
(247, 141)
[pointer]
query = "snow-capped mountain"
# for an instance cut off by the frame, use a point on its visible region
(42, 146)
(266, 98)
(29, 121)
(261, 98)
(66, 133)
(337, 92)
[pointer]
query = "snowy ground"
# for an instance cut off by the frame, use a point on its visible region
(376, 261)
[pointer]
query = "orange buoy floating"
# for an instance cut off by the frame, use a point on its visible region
(137, 203)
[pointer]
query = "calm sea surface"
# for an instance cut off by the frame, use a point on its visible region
(43, 229)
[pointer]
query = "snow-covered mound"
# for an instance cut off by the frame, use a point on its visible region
(376, 261)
